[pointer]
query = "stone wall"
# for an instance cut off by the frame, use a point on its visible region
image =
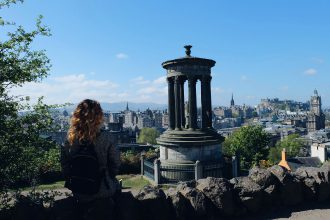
(218, 198)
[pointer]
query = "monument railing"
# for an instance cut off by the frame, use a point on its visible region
(173, 173)
(176, 172)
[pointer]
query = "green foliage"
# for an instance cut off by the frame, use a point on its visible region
(292, 145)
(24, 153)
(250, 143)
(148, 136)
(130, 162)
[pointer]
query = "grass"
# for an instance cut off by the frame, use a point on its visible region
(51, 186)
(131, 181)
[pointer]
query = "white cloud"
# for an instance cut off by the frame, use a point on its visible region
(140, 81)
(244, 78)
(121, 56)
(70, 88)
(160, 80)
(217, 90)
(317, 60)
(76, 87)
(310, 72)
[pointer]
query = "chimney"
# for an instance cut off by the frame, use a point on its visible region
(283, 162)
(283, 155)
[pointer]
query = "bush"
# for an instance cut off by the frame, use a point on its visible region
(130, 163)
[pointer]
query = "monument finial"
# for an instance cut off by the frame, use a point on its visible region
(188, 51)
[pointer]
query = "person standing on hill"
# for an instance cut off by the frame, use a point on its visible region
(90, 162)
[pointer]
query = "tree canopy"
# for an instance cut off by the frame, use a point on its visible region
(250, 143)
(23, 152)
(148, 136)
(292, 144)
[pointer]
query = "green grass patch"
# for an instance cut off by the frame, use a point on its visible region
(51, 186)
(131, 181)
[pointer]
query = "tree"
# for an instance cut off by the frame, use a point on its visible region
(22, 149)
(250, 143)
(292, 144)
(148, 136)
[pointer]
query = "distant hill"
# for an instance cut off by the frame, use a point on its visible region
(121, 106)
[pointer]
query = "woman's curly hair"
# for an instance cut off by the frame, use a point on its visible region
(85, 122)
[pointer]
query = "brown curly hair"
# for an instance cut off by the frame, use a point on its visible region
(85, 122)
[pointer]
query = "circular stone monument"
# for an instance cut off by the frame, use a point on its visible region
(184, 142)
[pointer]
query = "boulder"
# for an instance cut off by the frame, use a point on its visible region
(249, 193)
(127, 207)
(26, 208)
(203, 207)
(220, 192)
(262, 177)
(63, 209)
(269, 184)
(316, 182)
(153, 203)
(182, 207)
(290, 186)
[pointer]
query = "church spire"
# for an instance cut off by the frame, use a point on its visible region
(232, 102)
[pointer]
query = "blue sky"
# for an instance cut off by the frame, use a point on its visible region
(112, 50)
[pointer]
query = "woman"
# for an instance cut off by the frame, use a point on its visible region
(85, 133)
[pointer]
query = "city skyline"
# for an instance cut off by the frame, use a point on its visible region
(112, 51)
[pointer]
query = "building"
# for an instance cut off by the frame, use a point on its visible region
(316, 117)
(292, 164)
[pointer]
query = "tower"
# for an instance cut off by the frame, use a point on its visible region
(184, 143)
(316, 118)
(232, 103)
(127, 109)
(316, 103)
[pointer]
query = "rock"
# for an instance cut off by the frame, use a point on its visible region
(290, 186)
(181, 205)
(202, 205)
(127, 207)
(182, 185)
(316, 182)
(26, 208)
(153, 203)
(220, 192)
(262, 177)
(310, 188)
(250, 193)
(269, 184)
(63, 209)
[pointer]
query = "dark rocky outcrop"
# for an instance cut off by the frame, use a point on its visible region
(181, 205)
(153, 202)
(210, 198)
(290, 186)
(249, 193)
(220, 192)
(201, 204)
(269, 184)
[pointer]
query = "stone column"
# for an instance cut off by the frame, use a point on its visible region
(206, 101)
(209, 102)
(171, 112)
(192, 103)
(182, 110)
(177, 88)
(198, 170)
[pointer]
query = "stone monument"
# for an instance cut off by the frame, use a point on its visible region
(184, 143)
